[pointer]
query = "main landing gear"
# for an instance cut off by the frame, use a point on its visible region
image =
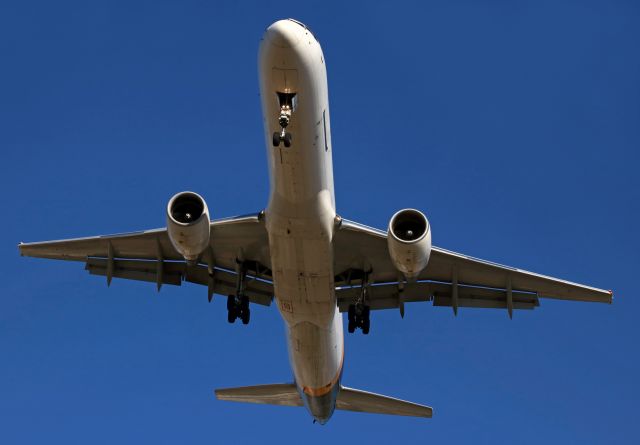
(286, 101)
(358, 314)
(238, 308)
(238, 304)
(358, 317)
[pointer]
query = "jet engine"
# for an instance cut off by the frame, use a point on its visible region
(188, 224)
(409, 242)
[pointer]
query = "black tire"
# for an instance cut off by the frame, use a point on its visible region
(231, 302)
(351, 314)
(287, 140)
(246, 316)
(276, 139)
(351, 327)
(366, 324)
(231, 316)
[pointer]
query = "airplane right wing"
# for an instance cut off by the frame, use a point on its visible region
(450, 278)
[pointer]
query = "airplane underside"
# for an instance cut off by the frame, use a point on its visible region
(300, 254)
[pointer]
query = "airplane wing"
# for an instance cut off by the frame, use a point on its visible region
(149, 256)
(450, 279)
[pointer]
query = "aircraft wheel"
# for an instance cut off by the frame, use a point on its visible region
(246, 315)
(287, 140)
(351, 327)
(276, 139)
(231, 302)
(366, 324)
(351, 314)
(231, 315)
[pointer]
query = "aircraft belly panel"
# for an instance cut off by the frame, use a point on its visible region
(303, 278)
(316, 354)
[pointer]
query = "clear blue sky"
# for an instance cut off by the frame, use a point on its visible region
(514, 126)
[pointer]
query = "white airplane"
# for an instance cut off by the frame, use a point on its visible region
(300, 252)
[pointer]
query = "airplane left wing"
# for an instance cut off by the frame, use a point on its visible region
(450, 279)
(149, 256)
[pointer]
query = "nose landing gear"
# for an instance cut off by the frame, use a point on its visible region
(282, 136)
(286, 101)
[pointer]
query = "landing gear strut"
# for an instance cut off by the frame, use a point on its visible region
(238, 304)
(286, 101)
(358, 314)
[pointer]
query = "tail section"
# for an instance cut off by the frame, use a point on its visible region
(349, 399)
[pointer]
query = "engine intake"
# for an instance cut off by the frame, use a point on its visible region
(409, 242)
(188, 224)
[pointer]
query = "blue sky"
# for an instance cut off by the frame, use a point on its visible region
(513, 125)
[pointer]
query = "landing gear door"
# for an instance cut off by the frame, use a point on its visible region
(285, 81)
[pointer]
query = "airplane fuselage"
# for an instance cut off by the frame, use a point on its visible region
(300, 216)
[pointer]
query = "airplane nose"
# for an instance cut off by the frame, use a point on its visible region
(284, 33)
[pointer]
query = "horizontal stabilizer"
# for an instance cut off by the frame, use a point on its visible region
(279, 394)
(367, 402)
(286, 394)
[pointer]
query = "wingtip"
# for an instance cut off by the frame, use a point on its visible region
(218, 393)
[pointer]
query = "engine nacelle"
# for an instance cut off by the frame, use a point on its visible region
(409, 241)
(188, 224)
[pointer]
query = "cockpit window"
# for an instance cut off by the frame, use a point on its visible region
(304, 26)
(299, 23)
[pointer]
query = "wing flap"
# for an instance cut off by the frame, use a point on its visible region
(173, 273)
(137, 270)
(224, 283)
(284, 394)
(350, 399)
(389, 296)
(495, 300)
